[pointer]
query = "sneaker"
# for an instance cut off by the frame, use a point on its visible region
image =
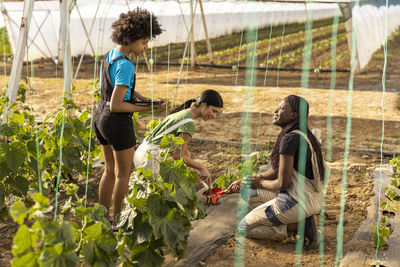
(114, 227)
(311, 233)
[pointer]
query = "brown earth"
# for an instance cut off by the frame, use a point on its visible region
(356, 114)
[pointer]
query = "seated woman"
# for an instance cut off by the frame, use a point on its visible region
(274, 193)
(180, 123)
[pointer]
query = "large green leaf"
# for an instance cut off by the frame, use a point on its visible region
(173, 228)
(15, 155)
(101, 246)
(67, 133)
(20, 185)
(57, 256)
(24, 241)
(8, 130)
(171, 172)
(57, 231)
(157, 206)
(136, 229)
(143, 255)
(29, 259)
(71, 158)
(18, 211)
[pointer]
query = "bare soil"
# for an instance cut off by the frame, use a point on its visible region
(356, 119)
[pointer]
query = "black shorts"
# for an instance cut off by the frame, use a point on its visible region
(114, 129)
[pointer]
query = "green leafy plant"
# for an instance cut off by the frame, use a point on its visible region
(250, 166)
(158, 211)
(395, 162)
(58, 242)
(381, 233)
(31, 151)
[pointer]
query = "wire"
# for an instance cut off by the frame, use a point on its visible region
(63, 106)
(383, 130)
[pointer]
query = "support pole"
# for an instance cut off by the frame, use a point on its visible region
(62, 54)
(192, 42)
(346, 11)
(210, 54)
(86, 32)
(19, 53)
(86, 43)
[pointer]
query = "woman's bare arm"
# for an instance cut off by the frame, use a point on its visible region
(284, 175)
(118, 105)
(184, 152)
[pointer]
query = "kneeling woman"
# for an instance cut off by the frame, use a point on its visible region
(180, 123)
(274, 193)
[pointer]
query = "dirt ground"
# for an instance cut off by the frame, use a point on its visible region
(360, 109)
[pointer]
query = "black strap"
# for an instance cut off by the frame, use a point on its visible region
(107, 88)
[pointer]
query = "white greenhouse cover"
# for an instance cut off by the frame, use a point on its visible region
(222, 17)
(371, 28)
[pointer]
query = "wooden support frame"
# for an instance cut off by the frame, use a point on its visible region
(209, 49)
(20, 49)
(346, 11)
(87, 41)
(64, 52)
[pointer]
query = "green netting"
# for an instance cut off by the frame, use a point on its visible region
(66, 85)
(339, 236)
(383, 130)
(251, 62)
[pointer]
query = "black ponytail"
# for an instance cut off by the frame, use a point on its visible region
(210, 97)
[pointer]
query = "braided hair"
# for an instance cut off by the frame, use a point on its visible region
(300, 106)
(210, 97)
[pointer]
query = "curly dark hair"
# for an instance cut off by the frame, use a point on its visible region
(135, 25)
(295, 103)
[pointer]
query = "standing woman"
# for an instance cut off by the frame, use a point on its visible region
(112, 119)
(274, 193)
(180, 123)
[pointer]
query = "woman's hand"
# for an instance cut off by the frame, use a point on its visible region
(257, 176)
(234, 187)
(165, 102)
(205, 175)
(256, 181)
(140, 97)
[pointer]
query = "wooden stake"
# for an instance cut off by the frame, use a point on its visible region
(147, 61)
(210, 54)
(346, 11)
(19, 53)
(65, 44)
(192, 41)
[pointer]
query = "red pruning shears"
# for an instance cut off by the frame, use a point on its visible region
(212, 195)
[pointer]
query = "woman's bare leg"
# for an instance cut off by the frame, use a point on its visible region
(123, 161)
(106, 185)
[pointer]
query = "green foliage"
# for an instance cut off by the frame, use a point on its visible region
(250, 166)
(395, 162)
(151, 125)
(5, 48)
(382, 232)
(60, 243)
(32, 151)
(158, 212)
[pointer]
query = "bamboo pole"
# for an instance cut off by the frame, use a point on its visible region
(209, 49)
(21, 44)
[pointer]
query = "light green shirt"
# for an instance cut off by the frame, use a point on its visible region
(169, 122)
